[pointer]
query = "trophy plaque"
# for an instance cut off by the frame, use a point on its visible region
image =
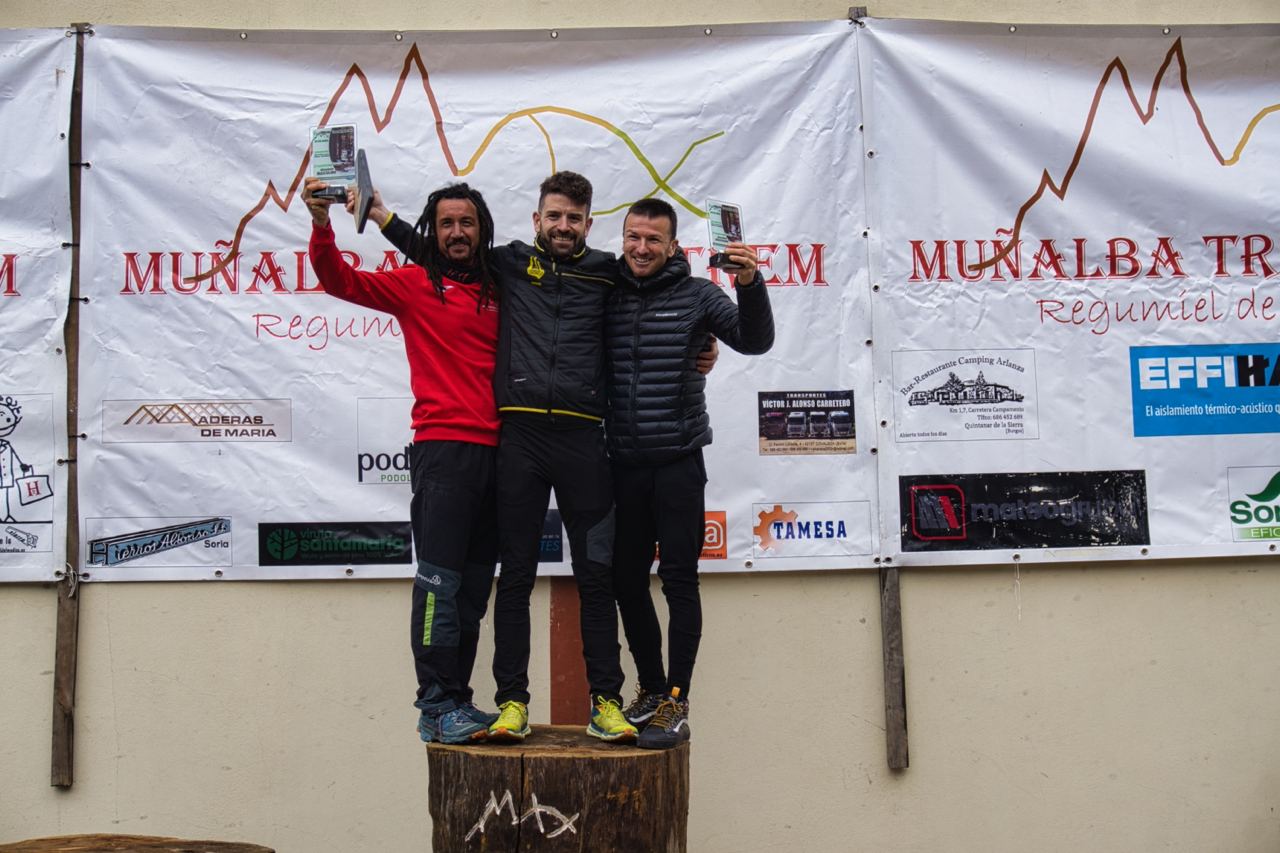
(724, 221)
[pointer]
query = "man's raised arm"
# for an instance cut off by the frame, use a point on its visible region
(747, 326)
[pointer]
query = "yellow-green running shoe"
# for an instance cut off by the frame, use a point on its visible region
(512, 724)
(607, 721)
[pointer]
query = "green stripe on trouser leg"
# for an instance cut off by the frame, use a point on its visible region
(440, 613)
(428, 618)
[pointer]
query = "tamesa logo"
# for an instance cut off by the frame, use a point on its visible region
(826, 529)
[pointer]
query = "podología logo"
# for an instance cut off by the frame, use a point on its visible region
(383, 467)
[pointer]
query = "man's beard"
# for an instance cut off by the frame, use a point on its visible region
(579, 242)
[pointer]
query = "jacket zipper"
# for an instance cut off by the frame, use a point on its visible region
(555, 338)
(635, 368)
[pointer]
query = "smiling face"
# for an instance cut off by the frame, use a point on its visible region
(561, 225)
(8, 420)
(647, 243)
(457, 229)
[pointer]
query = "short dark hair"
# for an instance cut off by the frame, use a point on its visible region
(571, 185)
(654, 208)
(425, 248)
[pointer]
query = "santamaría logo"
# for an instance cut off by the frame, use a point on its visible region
(1209, 389)
(196, 420)
(111, 550)
(282, 544)
(334, 543)
(1256, 515)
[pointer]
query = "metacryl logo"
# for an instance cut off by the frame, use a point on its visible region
(1257, 516)
(383, 467)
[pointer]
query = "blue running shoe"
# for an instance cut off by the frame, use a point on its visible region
(428, 727)
(456, 726)
(479, 716)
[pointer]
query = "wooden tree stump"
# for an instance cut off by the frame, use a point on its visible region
(127, 844)
(560, 790)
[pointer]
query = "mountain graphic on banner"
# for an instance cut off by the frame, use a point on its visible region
(413, 61)
(1060, 187)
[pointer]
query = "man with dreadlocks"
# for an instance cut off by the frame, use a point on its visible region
(446, 304)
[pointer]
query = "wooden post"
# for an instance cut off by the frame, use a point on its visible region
(61, 765)
(569, 700)
(895, 681)
(559, 790)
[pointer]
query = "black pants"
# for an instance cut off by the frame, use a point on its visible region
(536, 455)
(662, 505)
(454, 515)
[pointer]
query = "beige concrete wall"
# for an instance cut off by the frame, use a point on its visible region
(1113, 708)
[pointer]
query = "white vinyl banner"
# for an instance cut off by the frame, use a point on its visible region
(1074, 275)
(35, 272)
(248, 425)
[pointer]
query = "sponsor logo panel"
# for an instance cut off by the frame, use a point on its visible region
(27, 457)
(1057, 509)
(383, 436)
(814, 529)
(1205, 389)
(715, 536)
(158, 542)
(334, 543)
(965, 395)
(158, 421)
(1254, 503)
(551, 548)
(26, 537)
(805, 423)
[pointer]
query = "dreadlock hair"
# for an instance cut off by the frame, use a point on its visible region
(424, 247)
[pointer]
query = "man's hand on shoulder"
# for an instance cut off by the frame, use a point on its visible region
(709, 355)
